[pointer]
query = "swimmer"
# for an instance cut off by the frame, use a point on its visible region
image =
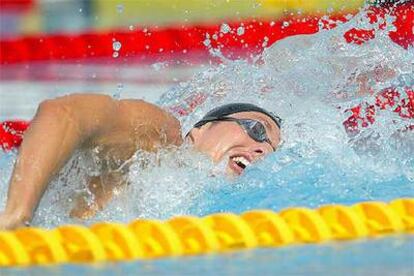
(239, 133)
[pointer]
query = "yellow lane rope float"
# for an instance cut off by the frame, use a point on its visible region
(187, 235)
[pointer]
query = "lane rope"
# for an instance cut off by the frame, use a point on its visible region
(146, 44)
(187, 235)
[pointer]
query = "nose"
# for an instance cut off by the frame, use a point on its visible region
(259, 150)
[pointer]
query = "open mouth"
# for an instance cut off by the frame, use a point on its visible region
(238, 163)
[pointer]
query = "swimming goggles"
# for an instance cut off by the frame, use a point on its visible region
(255, 129)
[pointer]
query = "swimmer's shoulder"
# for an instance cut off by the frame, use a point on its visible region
(121, 116)
(141, 113)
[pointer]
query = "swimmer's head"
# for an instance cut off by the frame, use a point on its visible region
(240, 132)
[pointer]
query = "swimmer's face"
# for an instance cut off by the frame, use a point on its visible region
(228, 140)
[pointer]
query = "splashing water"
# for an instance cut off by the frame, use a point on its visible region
(311, 81)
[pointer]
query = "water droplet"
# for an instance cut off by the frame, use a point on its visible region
(285, 24)
(119, 88)
(115, 55)
(265, 41)
(207, 42)
(272, 23)
(116, 45)
(240, 31)
(159, 66)
(131, 27)
(225, 28)
(120, 8)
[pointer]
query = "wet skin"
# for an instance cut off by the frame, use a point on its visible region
(228, 140)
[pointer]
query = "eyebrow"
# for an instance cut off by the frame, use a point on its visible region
(268, 124)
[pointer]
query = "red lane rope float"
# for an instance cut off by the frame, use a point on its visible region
(404, 24)
(11, 134)
(19, 5)
(144, 43)
(400, 102)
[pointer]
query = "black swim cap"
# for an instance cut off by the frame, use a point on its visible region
(232, 108)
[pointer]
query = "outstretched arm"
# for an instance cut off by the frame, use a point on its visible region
(65, 124)
(58, 128)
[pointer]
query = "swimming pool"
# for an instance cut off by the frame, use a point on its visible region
(318, 164)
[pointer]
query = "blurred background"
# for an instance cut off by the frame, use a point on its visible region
(28, 17)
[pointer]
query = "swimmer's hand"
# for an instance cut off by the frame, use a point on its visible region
(84, 210)
(10, 221)
(102, 194)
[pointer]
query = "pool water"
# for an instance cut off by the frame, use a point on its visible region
(311, 82)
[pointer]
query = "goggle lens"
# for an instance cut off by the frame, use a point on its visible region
(254, 129)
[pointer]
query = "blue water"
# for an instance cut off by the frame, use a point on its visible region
(308, 182)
